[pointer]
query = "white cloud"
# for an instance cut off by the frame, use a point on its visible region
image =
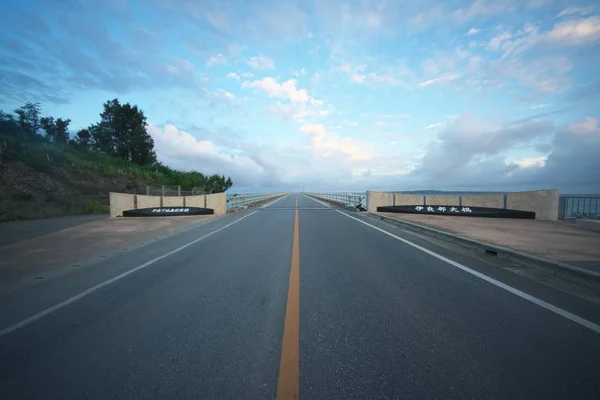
(576, 32)
(286, 89)
(467, 139)
(563, 34)
(182, 66)
(247, 74)
(468, 155)
(261, 62)
(301, 104)
(354, 72)
(325, 142)
(216, 59)
(233, 75)
(473, 31)
(219, 97)
(379, 123)
(436, 125)
(538, 106)
(530, 162)
(478, 9)
(357, 75)
(440, 79)
(574, 10)
(185, 151)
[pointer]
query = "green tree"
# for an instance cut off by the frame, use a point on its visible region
(8, 124)
(218, 183)
(122, 133)
(82, 138)
(56, 130)
(29, 118)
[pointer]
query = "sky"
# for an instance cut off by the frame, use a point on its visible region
(474, 95)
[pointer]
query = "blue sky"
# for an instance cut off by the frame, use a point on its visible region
(338, 95)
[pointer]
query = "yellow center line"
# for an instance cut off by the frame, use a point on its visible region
(289, 375)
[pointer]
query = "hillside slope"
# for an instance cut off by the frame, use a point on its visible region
(40, 179)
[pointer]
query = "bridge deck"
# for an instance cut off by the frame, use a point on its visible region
(295, 299)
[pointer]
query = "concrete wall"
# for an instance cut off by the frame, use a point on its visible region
(543, 202)
(218, 202)
(483, 200)
(408, 199)
(120, 202)
(378, 199)
(144, 201)
(195, 201)
(172, 201)
(441, 200)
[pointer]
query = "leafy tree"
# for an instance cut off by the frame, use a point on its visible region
(56, 130)
(122, 133)
(29, 118)
(218, 184)
(82, 138)
(9, 125)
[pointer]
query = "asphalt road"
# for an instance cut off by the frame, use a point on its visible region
(18, 231)
(218, 312)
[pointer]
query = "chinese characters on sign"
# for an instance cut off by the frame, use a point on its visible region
(443, 209)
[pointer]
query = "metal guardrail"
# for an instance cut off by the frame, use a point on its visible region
(174, 191)
(352, 199)
(579, 207)
(237, 201)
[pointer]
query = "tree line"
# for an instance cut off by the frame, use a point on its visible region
(121, 134)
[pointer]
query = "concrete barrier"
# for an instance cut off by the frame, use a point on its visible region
(172, 201)
(144, 201)
(401, 199)
(218, 202)
(120, 202)
(483, 200)
(378, 199)
(442, 200)
(195, 201)
(543, 202)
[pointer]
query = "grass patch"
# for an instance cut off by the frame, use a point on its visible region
(44, 156)
(95, 208)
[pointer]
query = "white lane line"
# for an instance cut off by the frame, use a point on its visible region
(557, 310)
(275, 201)
(111, 280)
(318, 201)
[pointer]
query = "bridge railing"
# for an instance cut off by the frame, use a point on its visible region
(237, 201)
(579, 207)
(350, 199)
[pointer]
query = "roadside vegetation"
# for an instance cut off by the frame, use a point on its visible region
(46, 170)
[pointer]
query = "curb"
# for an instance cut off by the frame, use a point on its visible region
(551, 267)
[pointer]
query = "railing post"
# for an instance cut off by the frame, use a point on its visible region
(179, 190)
(163, 190)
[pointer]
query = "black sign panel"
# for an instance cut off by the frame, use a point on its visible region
(168, 211)
(459, 211)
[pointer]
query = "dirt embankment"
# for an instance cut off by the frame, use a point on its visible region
(28, 193)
